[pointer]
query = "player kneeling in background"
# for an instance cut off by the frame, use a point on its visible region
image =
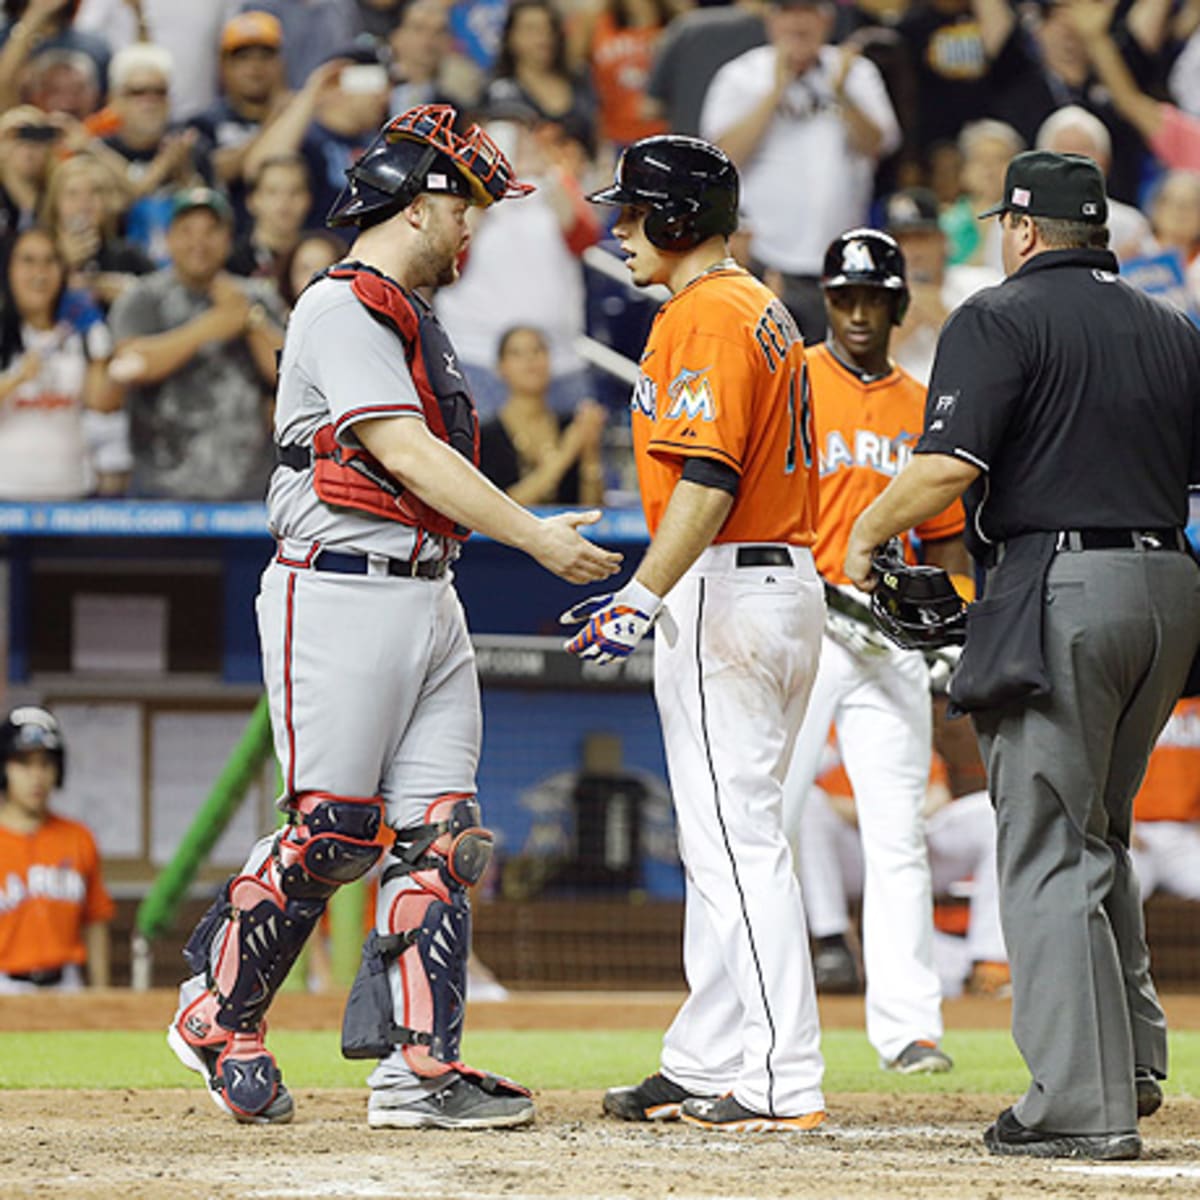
(54, 909)
(366, 655)
(723, 440)
(867, 412)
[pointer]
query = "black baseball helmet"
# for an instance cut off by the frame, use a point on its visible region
(867, 258)
(32, 728)
(689, 185)
(426, 149)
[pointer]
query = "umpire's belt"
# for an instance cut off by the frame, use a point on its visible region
(1121, 539)
(763, 556)
(362, 564)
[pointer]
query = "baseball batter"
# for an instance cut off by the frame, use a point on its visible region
(867, 413)
(723, 439)
(368, 666)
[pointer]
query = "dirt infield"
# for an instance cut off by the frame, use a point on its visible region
(174, 1145)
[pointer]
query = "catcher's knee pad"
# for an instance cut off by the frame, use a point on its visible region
(428, 937)
(330, 841)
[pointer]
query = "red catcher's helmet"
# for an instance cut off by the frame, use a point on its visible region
(426, 149)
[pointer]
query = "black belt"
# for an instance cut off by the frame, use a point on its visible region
(359, 564)
(47, 978)
(764, 556)
(1170, 538)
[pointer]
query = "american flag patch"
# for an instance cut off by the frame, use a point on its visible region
(1020, 197)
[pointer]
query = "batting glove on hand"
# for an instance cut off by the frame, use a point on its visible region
(615, 623)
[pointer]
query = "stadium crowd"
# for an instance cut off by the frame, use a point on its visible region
(165, 171)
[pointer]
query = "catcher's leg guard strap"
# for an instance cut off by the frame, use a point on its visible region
(429, 934)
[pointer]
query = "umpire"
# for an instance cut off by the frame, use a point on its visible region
(1065, 405)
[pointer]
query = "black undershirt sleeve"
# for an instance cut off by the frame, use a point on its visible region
(709, 473)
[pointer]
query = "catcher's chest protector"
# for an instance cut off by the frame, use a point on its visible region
(353, 478)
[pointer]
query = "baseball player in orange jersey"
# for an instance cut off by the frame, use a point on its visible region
(723, 439)
(867, 413)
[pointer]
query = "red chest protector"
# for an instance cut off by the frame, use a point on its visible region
(350, 478)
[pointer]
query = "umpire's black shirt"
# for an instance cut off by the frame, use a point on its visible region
(1078, 397)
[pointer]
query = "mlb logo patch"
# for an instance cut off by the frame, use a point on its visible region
(1021, 197)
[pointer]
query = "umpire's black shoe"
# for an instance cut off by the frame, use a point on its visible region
(656, 1098)
(1009, 1136)
(1149, 1092)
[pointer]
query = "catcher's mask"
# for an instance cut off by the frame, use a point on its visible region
(915, 606)
(426, 149)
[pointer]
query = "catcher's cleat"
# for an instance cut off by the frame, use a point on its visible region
(1149, 1092)
(731, 1116)
(656, 1098)
(1008, 1136)
(464, 1103)
(243, 1079)
(920, 1058)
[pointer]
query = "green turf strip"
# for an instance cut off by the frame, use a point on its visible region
(985, 1062)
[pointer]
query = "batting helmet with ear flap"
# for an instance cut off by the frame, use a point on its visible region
(868, 258)
(426, 149)
(689, 186)
(30, 728)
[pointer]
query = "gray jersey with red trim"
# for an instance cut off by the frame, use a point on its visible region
(339, 364)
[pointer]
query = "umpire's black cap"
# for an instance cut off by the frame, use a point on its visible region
(1064, 187)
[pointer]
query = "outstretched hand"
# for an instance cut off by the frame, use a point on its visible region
(562, 549)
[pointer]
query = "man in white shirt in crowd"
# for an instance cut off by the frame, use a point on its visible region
(806, 123)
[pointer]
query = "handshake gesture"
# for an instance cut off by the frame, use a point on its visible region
(616, 622)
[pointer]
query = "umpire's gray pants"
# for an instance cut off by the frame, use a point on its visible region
(1120, 630)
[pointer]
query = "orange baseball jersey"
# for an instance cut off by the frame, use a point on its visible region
(723, 377)
(50, 888)
(1171, 789)
(865, 435)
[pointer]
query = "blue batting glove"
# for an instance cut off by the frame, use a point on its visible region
(615, 623)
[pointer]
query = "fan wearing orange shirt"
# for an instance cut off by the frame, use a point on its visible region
(1166, 811)
(722, 436)
(868, 412)
(54, 909)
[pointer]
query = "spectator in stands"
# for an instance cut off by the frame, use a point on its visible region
(314, 251)
(1166, 811)
(158, 162)
(54, 907)
(278, 204)
(188, 31)
(310, 29)
(1172, 134)
(27, 140)
(528, 450)
(952, 44)
(63, 81)
(531, 66)
(935, 287)
(31, 26)
(424, 68)
(961, 838)
(196, 348)
(1043, 66)
(330, 121)
(1074, 130)
(252, 91)
(79, 211)
(798, 100)
(615, 42)
(694, 46)
(523, 268)
(1174, 208)
(50, 373)
(380, 17)
(986, 147)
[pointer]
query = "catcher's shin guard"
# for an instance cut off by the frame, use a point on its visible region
(252, 935)
(427, 941)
